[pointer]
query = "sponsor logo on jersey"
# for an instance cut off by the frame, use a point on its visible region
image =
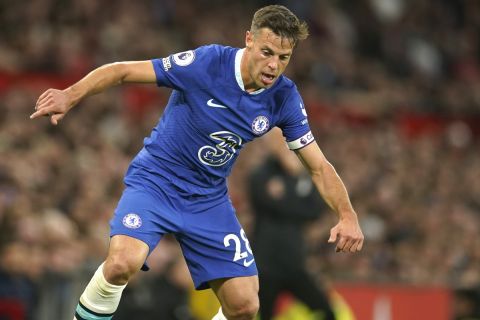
(260, 125)
(132, 221)
(166, 63)
(184, 58)
(212, 104)
(224, 150)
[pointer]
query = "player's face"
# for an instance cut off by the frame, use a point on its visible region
(266, 57)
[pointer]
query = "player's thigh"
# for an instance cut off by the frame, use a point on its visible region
(215, 245)
(139, 222)
(141, 215)
(125, 250)
(236, 292)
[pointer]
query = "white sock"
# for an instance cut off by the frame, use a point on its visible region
(99, 296)
(219, 315)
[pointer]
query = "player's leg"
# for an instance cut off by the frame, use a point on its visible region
(136, 228)
(102, 295)
(218, 255)
(238, 297)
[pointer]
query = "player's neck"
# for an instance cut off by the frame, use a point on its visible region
(251, 88)
(248, 82)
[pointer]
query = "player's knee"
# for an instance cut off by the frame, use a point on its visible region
(244, 308)
(118, 269)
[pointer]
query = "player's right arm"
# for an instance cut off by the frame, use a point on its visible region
(56, 103)
(347, 233)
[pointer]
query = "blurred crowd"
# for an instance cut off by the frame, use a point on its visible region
(392, 88)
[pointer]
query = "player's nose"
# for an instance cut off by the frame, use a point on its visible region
(273, 64)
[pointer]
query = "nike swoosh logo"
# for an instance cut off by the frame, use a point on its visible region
(212, 104)
(248, 263)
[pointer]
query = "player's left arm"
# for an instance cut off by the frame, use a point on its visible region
(347, 232)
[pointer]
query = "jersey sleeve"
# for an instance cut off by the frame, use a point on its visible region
(187, 69)
(294, 122)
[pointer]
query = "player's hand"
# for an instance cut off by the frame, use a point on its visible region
(349, 235)
(52, 103)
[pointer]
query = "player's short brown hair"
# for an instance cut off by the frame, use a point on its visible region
(281, 21)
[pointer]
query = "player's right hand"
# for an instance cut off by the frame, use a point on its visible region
(348, 235)
(52, 103)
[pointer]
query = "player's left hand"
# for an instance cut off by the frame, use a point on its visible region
(349, 235)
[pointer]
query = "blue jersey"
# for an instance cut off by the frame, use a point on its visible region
(210, 117)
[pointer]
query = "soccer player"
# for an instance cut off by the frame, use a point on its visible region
(222, 98)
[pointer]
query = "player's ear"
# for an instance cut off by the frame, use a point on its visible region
(249, 39)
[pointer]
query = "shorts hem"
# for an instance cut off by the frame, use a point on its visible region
(206, 285)
(134, 236)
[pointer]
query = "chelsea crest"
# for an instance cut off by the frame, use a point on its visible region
(260, 125)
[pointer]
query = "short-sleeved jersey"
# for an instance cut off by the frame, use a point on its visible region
(210, 117)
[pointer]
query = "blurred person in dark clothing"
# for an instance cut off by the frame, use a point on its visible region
(17, 290)
(284, 200)
(466, 303)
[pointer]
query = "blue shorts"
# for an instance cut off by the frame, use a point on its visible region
(212, 240)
